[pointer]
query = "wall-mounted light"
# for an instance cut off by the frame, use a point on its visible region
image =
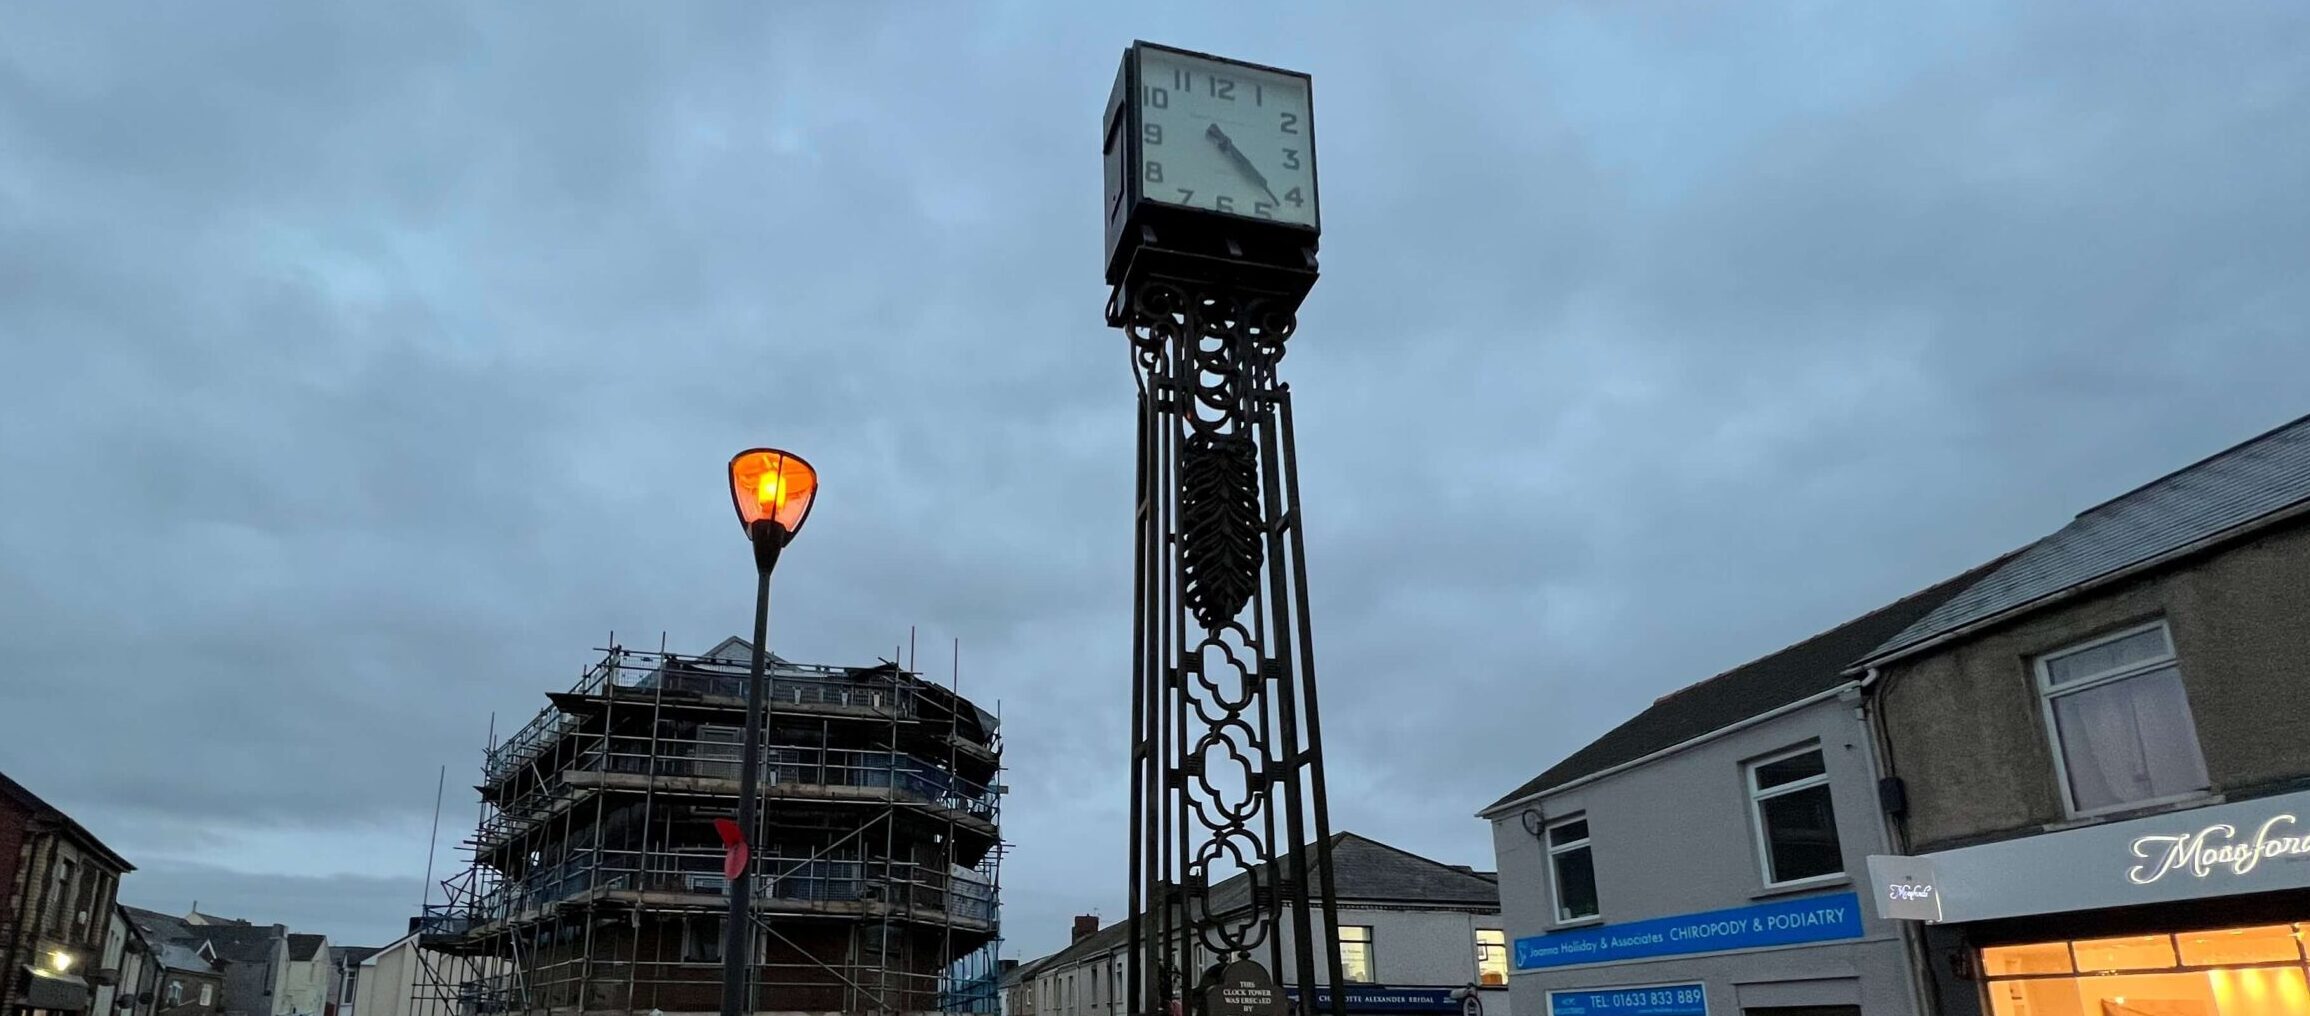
(59, 961)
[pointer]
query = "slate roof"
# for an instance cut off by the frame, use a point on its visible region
(1808, 668)
(158, 926)
(1367, 871)
(242, 943)
(2199, 502)
(304, 947)
(352, 955)
(238, 941)
(179, 956)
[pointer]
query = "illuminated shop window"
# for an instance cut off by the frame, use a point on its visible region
(2249, 971)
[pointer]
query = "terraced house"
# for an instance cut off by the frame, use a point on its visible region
(59, 883)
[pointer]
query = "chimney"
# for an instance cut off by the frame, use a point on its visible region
(1085, 925)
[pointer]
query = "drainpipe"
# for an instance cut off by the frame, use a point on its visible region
(1921, 985)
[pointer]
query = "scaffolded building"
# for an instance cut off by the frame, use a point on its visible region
(596, 878)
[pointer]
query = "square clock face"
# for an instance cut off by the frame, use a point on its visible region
(1226, 137)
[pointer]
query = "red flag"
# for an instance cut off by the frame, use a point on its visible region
(733, 848)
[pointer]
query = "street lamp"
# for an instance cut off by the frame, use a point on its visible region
(772, 491)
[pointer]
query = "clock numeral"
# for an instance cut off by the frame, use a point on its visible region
(1290, 156)
(1154, 135)
(1154, 172)
(1291, 123)
(1160, 98)
(1223, 203)
(1292, 196)
(1263, 209)
(1258, 94)
(1182, 80)
(1221, 88)
(1186, 197)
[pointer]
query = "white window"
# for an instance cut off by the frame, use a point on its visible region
(2120, 722)
(1796, 824)
(1491, 956)
(176, 992)
(1572, 870)
(208, 993)
(1355, 953)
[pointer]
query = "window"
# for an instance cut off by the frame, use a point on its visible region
(208, 993)
(1796, 826)
(2120, 722)
(60, 895)
(1572, 871)
(1355, 953)
(702, 940)
(2246, 971)
(176, 992)
(1491, 956)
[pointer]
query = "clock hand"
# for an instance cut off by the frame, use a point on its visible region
(1242, 161)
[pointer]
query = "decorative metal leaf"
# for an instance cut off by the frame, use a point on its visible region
(1219, 524)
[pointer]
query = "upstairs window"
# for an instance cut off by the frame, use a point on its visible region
(1796, 824)
(1355, 953)
(2120, 722)
(1572, 870)
(1491, 956)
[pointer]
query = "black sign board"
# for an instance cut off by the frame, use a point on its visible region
(1241, 988)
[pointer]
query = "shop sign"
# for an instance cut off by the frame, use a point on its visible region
(1906, 888)
(1383, 998)
(2218, 849)
(1652, 1000)
(2261, 845)
(1787, 922)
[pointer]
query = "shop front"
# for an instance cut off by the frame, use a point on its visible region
(2202, 912)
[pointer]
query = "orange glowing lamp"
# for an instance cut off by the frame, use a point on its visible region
(772, 486)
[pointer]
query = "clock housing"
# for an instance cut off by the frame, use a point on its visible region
(1210, 172)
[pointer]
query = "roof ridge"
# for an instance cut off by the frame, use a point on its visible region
(2170, 474)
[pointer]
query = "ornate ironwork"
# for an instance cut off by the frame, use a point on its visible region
(1227, 762)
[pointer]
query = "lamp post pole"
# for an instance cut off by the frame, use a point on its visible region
(738, 926)
(772, 491)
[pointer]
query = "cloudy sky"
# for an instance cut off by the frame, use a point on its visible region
(366, 366)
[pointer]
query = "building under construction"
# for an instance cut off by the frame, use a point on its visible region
(596, 882)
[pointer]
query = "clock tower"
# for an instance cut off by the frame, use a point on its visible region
(1212, 220)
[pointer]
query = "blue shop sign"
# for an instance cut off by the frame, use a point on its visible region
(1382, 998)
(1653, 1000)
(1788, 922)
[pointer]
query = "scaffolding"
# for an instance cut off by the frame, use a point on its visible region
(595, 882)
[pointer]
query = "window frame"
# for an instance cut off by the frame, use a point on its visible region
(1758, 796)
(1555, 890)
(1371, 952)
(2041, 675)
(696, 943)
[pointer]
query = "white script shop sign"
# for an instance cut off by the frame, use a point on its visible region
(2253, 846)
(2218, 848)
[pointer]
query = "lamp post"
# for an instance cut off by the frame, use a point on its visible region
(772, 491)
